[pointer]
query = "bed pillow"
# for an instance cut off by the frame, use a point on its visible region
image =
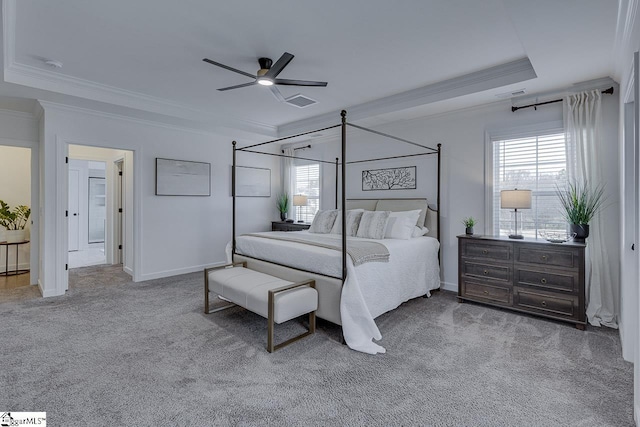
(398, 205)
(373, 224)
(353, 221)
(419, 231)
(323, 221)
(401, 224)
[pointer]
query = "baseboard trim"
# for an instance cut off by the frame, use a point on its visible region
(128, 270)
(50, 293)
(453, 287)
(178, 271)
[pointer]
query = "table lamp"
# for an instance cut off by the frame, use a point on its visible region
(299, 200)
(515, 199)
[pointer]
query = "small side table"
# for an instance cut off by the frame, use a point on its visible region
(6, 258)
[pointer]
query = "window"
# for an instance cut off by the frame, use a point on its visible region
(538, 163)
(307, 182)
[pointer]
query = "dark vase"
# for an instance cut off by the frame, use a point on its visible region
(581, 230)
(468, 230)
(283, 216)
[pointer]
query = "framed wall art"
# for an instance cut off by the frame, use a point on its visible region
(253, 182)
(182, 178)
(403, 178)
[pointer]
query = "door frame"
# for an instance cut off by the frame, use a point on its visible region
(133, 214)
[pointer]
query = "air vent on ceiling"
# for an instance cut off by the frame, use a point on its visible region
(300, 101)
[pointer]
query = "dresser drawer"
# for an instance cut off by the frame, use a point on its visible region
(559, 257)
(555, 305)
(492, 251)
(547, 280)
(486, 291)
(488, 271)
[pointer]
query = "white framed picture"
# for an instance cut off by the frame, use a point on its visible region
(252, 182)
(182, 178)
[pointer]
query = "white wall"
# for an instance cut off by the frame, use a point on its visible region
(462, 134)
(19, 129)
(172, 234)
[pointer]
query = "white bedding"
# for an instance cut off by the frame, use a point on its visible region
(371, 289)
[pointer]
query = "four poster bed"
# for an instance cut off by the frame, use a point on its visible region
(353, 286)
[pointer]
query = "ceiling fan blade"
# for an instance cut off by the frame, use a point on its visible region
(236, 86)
(289, 82)
(279, 65)
(276, 93)
(229, 68)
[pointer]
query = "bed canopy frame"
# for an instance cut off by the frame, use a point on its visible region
(341, 171)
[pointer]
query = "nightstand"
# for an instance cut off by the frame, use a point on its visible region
(289, 226)
(530, 276)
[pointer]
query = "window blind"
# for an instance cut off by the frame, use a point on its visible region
(537, 163)
(307, 182)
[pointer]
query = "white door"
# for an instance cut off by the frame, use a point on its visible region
(74, 209)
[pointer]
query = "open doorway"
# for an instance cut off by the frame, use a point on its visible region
(87, 212)
(17, 272)
(99, 196)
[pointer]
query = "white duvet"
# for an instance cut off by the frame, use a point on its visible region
(370, 289)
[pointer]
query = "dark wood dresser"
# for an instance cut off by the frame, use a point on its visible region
(289, 226)
(531, 276)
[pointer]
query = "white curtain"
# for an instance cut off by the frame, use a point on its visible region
(582, 120)
(287, 176)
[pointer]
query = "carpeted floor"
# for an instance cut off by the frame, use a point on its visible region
(123, 353)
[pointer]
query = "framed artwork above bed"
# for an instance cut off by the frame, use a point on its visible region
(403, 178)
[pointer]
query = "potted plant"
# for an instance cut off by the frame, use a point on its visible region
(580, 203)
(469, 223)
(14, 221)
(282, 203)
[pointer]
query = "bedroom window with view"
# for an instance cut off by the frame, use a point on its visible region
(536, 162)
(307, 182)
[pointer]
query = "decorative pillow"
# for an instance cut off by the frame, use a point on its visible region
(403, 205)
(419, 231)
(401, 224)
(353, 221)
(323, 221)
(373, 224)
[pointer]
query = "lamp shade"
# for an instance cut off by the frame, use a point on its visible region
(299, 200)
(515, 199)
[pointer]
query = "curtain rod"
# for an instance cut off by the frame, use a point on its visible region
(514, 109)
(300, 148)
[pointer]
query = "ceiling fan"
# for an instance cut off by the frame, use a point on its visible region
(267, 74)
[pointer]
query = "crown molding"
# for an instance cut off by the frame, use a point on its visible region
(17, 114)
(40, 79)
(489, 78)
(47, 105)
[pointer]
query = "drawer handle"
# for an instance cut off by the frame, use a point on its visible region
(484, 251)
(543, 303)
(543, 281)
(544, 257)
(486, 272)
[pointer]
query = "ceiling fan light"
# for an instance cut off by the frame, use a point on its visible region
(265, 81)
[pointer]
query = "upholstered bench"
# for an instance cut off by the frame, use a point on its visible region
(276, 299)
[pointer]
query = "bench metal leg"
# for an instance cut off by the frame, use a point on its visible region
(271, 347)
(206, 285)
